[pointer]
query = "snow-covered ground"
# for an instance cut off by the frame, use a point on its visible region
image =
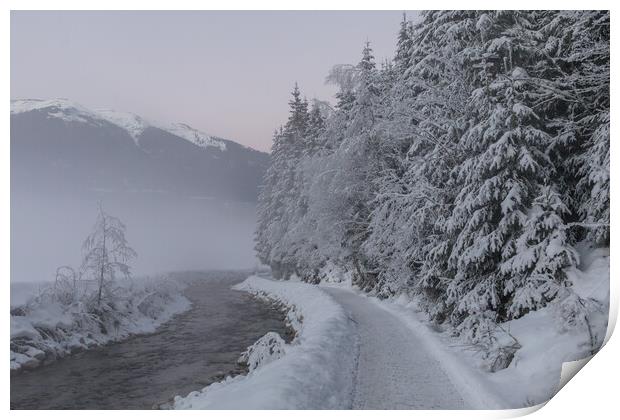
(356, 351)
(533, 377)
(349, 352)
(395, 370)
(314, 371)
(43, 328)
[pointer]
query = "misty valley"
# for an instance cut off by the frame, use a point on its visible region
(429, 231)
(107, 223)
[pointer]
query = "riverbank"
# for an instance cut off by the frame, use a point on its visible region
(46, 327)
(314, 371)
(320, 368)
(192, 350)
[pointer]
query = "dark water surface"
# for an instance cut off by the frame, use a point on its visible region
(192, 350)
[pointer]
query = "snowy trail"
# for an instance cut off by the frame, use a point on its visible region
(395, 371)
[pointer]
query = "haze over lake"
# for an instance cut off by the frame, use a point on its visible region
(168, 232)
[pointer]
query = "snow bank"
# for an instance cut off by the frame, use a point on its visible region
(44, 329)
(533, 377)
(314, 371)
(547, 343)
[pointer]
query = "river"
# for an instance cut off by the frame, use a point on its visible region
(187, 353)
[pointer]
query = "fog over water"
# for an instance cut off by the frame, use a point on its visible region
(168, 232)
(208, 79)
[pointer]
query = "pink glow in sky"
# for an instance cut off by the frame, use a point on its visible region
(226, 73)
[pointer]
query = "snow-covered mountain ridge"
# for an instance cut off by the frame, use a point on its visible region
(134, 125)
(61, 146)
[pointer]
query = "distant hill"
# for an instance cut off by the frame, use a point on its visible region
(60, 146)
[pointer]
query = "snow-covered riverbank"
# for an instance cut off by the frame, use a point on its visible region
(43, 328)
(319, 369)
(314, 371)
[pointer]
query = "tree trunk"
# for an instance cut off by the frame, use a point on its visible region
(360, 273)
(103, 258)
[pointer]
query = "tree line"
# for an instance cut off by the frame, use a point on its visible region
(463, 171)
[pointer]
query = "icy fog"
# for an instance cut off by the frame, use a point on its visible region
(168, 232)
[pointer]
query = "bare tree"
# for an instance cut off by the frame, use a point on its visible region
(106, 251)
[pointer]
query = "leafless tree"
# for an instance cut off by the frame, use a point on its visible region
(106, 251)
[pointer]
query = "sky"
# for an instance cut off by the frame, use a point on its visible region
(227, 73)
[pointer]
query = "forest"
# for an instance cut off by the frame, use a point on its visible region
(464, 172)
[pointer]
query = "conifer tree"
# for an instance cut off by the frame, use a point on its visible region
(577, 49)
(507, 166)
(404, 45)
(536, 270)
(463, 172)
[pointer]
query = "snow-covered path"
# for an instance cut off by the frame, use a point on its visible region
(395, 371)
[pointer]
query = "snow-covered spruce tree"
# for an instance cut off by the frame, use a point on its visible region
(106, 253)
(506, 169)
(354, 165)
(279, 200)
(439, 88)
(445, 174)
(300, 238)
(536, 270)
(392, 226)
(404, 45)
(316, 129)
(425, 119)
(295, 131)
(591, 54)
(577, 99)
(269, 208)
(321, 228)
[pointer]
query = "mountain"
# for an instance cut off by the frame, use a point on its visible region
(60, 146)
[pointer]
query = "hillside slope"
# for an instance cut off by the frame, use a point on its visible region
(60, 146)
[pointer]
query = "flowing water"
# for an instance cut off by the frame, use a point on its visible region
(189, 352)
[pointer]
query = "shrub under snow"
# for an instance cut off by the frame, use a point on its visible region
(268, 348)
